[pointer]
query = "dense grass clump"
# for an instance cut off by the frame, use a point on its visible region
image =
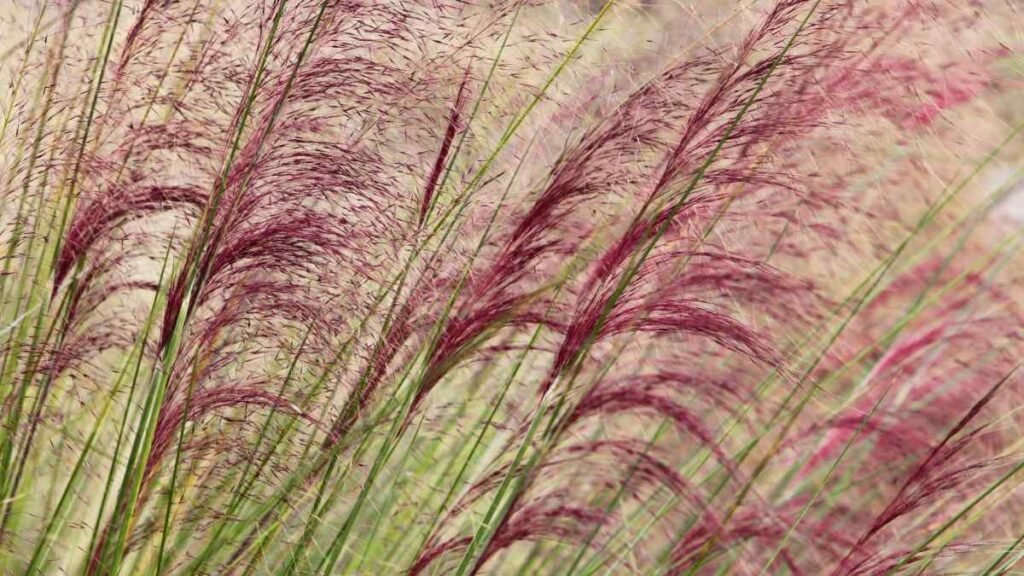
(444, 287)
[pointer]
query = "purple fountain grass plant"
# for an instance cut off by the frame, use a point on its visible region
(641, 126)
(274, 222)
(292, 209)
(296, 226)
(659, 314)
(653, 299)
